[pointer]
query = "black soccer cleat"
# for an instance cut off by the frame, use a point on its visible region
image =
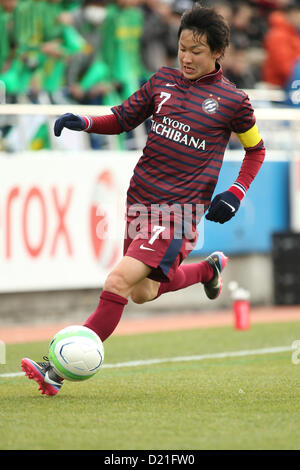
(42, 372)
(218, 261)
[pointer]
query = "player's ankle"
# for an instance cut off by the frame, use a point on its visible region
(208, 272)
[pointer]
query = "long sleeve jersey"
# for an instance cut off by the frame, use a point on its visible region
(190, 126)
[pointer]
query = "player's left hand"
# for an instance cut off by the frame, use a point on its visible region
(223, 207)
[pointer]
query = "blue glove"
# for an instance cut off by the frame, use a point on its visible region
(70, 121)
(223, 207)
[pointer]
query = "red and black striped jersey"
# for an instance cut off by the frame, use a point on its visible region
(189, 128)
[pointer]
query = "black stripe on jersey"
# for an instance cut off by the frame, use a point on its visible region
(246, 110)
(177, 177)
(159, 154)
(121, 122)
(228, 90)
(148, 190)
(144, 88)
(160, 188)
(125, 113)
(174, 185)
(132, 200)
(198, 95)
(204, 114)
(196, 193)
(167, 77)
(131, 121)
(145, 197)
(216, 168)
(139, 104)
(131, 105)
(208, 175)
(173, 149)
(230, 86)
(235, 125)
(142, 111)
(138, 101)
(150, 81)
(248, 124)
(159, 86)
(221, 144)
(122, 111)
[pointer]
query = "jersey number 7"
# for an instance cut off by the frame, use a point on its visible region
(166, 97)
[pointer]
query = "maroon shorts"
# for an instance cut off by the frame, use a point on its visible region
(162, 246)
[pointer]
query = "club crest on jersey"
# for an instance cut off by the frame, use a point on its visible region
(210, 106)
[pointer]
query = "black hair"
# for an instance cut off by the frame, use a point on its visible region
(203, 20)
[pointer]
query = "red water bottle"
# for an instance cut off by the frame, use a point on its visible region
(241, 309)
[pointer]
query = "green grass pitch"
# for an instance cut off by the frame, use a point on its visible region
(249, 402)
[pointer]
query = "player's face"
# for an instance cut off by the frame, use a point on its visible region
(194, 55)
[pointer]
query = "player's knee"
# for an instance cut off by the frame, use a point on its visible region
(139, 297)
(116, 283)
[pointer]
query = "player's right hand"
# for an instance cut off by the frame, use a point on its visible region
(70, 121)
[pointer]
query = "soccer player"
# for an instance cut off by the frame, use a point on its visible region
(193, 112)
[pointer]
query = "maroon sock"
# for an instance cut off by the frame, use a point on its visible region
(187, 275)
(107, 315)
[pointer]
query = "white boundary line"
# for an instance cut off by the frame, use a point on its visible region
(202, 357)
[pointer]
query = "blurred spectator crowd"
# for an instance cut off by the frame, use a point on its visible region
(101, 51)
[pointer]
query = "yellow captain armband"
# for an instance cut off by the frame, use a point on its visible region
(250, 138)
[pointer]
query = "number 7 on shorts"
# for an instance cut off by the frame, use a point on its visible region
(157, 229)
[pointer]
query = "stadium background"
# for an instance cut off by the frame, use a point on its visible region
(59, 56)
